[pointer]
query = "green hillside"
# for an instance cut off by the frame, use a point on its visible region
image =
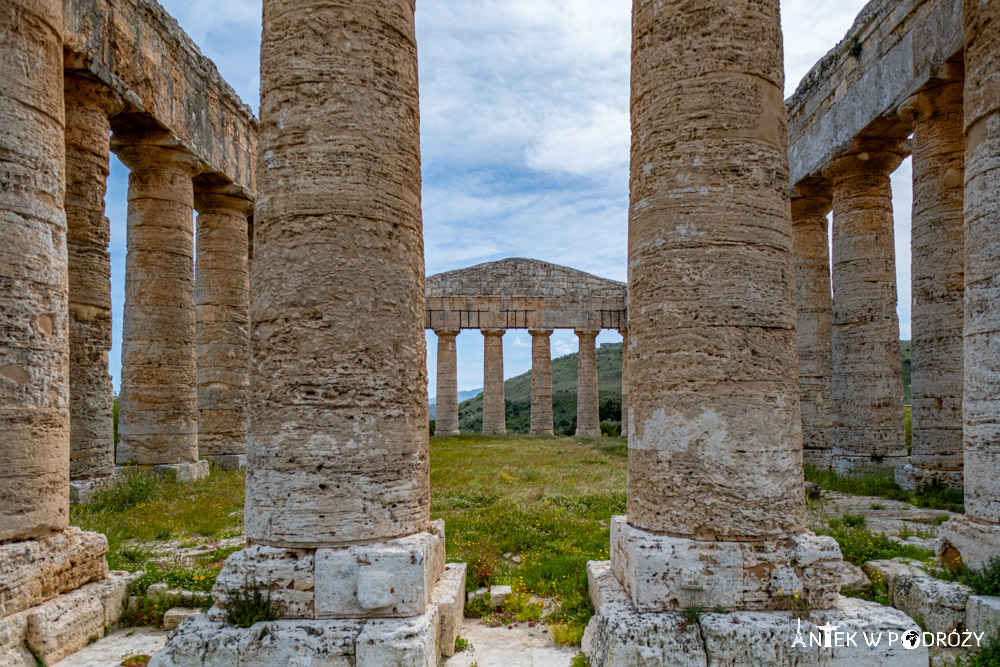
(609, 381)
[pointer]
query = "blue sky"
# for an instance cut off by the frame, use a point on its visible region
(524, 134)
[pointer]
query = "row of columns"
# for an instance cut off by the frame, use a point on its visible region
(588, 421)
(850, 372)
(185, 343)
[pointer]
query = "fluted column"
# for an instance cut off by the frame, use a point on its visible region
(446, 406)
(588, 420)
(89, 105)
(711, 356)
(541, 382)
(34, 332)
(813, 303)
(222, 307)
(938, 287)
(158, 411)
(976, 535)
(868, 428)
(625, 422)
(494, 402)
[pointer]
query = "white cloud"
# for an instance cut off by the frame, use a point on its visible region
(519, 340)
(566, 347)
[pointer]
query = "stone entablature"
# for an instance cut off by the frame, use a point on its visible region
(520, 293)
(140, 52)
(894, 49)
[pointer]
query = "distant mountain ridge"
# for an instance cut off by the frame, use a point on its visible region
(462, 396)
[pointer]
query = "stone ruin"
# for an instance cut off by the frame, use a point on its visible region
(735, 351)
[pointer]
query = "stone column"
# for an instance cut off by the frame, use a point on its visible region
(625, 420)
(494, 402)
(711, 361)
(976, 535)
(868, 425)
(34, 336)
(541, 382)
(89, 105)
(813, 303)
(446, 409)
(158, 411)
(588, 419)
(938, 287)
(222, 307)
(338, 482)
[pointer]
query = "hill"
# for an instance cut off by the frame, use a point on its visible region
(462, 396)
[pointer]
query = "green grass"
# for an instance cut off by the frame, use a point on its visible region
(543, 499)
(884, 486)
(859, 545)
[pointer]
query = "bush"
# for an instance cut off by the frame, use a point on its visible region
(611, 410)
(612, 429)
(433, 425)
(132, 486)
(859, 545)
(985, 581)
(245, 609)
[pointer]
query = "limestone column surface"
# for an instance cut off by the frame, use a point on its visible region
(868, 427)
(711, 357)
(937, 272)
(625, 420)
(89, 105)
(541, 382)
(494, 401)
(588, 420)
(34, 336)
(222, 307)
(814, 305)
(976, 535)
(158, 411)
(337, 451)
(446, 405)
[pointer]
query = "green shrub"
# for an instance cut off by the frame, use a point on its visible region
(579, 660)
(860, 545)
(522, 609)
(462, 644)
(987, 580)
(132, 486)
(612, 429)
(244, 609)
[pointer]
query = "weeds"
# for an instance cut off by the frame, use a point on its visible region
(692, 614)
(579, 660)
(132, 486)
(462, 644)
(246, 608)
(859, 545)
(932, 496)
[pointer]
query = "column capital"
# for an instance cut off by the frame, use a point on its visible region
(586, 332)
(447, 332)
(810, 199)
(540, 332)
(489, 333)
(928, 103)
(153, 150)
(881, 157)
(82, 90)
(223, 198)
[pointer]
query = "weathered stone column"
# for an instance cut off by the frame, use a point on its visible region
(158, 411)
(976, 535)
(34, 336)
(541, 382)
(712, 361)
(446, 408)
(588, 420)
(868, 425)
(625, 420)
(494, 402)
(89, 105)
(938, 287)
(222, 307)
(813, 303)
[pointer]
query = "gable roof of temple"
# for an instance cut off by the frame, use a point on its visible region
(519, 277)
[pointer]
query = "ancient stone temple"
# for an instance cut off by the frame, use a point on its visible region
(719, 410)
(338, 499)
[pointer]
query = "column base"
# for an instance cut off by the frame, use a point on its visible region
(620, 635)
(56, 596)
(83, 490)
(588, 432)
(438, 431)
(497, 432)
(975, 542)
(546, 431)
(663, 573)
(843, 465)
(817, 458)
(229, 461)
(420, 640)
(188, 471)
(910, 477)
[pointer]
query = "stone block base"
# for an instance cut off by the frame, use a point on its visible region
(817, 458)
(844, 465)
(982, 614)
(188, 471)
(662, 573)
(83, 490)
(618, 635)
(229, 461)
(416, 641)
(974, 542)
(911, 477)
(588, 433)
(64, 624)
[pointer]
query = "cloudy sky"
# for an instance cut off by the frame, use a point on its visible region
(525, 137)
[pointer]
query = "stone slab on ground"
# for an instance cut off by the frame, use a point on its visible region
(982, 614)
(940, 605)
(173, 617)
(521, 646)
(108, 652)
